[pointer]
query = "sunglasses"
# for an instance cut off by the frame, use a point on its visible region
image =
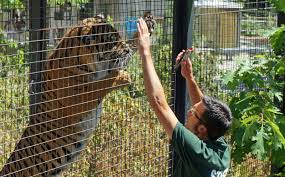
(193, 112)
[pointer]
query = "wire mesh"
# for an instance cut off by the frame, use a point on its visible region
(224, 34)
(127, 140)
(48, 90)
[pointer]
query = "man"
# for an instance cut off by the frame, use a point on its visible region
(201, 148)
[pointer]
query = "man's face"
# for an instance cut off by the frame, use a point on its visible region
(194, 121)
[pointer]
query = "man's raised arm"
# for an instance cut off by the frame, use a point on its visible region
(153, 87)
(194, 91)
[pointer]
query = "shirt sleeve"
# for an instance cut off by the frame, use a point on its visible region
(191, 149)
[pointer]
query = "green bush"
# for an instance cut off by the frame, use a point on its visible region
(258, 126)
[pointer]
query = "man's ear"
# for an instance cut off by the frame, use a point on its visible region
(202, 129)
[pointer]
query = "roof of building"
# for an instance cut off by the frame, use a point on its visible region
(217, 4)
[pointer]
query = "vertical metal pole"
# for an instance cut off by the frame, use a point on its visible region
(182, 39)
(37, 14)
(281, 21)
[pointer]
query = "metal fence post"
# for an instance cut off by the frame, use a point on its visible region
(182, 39)
(37, 46)
(281, 21)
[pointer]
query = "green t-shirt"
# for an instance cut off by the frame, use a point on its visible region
(198, 158)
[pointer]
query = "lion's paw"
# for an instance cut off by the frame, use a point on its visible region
(124, 77)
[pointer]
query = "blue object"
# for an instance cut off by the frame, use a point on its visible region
(131, 26)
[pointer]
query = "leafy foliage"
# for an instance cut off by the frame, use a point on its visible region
(11, 4)
(277, 40)
(279, 4)
(256, 86)
(257, 121)
(11, 56)
(258, 126)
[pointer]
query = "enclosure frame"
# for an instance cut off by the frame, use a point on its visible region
(182, 39)
(37, 16)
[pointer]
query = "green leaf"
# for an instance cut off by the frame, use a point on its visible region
(228, 77)
(250, 120)
(274, 110)
(277, 40)
(249, 109)
(278, 158)
(249, 132)
(247, 97)
(276, 130)
(258, 147)
(278, 95)
(245, 67)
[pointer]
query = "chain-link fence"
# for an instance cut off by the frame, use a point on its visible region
(226, 33)
(50, 59)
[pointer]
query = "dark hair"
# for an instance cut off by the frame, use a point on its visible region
(218, 117)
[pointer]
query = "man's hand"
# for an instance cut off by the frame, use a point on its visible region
(186, 66)
(143, 38)
(195, 94)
